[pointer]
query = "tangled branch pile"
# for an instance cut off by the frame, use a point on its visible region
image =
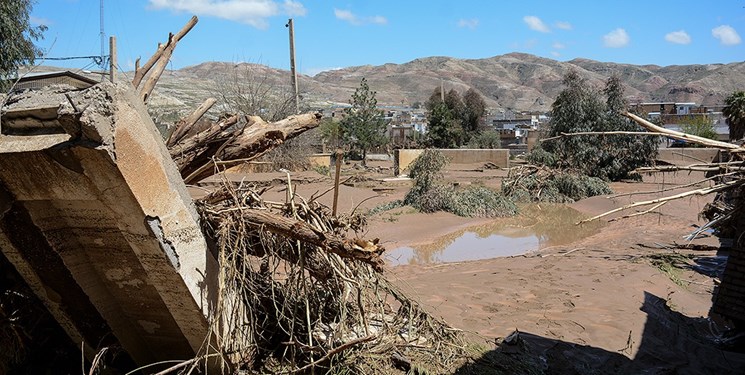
(296, 295)
(542, 184)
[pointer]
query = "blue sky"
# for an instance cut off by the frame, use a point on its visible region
(333, 34)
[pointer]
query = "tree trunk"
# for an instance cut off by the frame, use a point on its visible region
(210, 151)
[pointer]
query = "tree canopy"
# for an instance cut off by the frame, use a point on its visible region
(456, 120)
(442, 130)
(363, 123)
(734, 110)
(580, 108)
(474, 111)
(17, 36)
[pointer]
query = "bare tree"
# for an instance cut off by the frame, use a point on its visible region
(250, 89)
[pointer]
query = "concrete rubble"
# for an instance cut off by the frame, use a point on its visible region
(96, 218)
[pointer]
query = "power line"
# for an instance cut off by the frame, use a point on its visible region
(96, 57)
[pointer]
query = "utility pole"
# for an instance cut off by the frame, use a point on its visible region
(112, 58)
(442, 91)
(291, 26)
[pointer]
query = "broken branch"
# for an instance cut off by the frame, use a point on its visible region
(302, 231)
(704, 191)
(183, 126)
(682, 136)
(140, 72)
(562, 135)
(249, 143)
(188, 145)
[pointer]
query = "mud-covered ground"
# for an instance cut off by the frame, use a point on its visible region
(620, 296)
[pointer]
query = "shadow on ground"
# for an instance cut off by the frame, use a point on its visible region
(671, 344)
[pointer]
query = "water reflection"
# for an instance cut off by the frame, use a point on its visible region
(538, 226)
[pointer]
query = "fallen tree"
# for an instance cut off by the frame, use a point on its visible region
(200, 153)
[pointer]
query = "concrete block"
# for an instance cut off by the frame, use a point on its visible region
(96, 218)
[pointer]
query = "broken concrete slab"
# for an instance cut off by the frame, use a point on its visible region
(96, 218)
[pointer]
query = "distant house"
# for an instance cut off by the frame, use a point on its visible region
(672, 115)
(35, 81)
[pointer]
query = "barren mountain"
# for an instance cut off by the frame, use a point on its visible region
(513, 81)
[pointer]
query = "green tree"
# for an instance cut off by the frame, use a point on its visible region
(466, 113)
(486, 139)
(363, 123)
(434, 99)
(622, 154)
(577, 108)
(734, 110)
(455, 104)
(474, 111)
(580, 108)
(17, 37)
(442, 130)
(699, 126)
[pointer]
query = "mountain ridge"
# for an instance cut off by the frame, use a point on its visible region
(517, 81)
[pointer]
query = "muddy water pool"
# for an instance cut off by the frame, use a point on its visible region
(538, 226)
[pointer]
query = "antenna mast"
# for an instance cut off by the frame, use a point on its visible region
(102, 64)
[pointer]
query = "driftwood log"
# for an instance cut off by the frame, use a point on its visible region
(185, 124)
(362, 250)
(227, 142)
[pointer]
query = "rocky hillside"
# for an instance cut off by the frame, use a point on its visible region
(516, 81)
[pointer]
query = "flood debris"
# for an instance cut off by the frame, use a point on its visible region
(99, 224)
(235, 139)
(726, 215)
(96, 219)
(312, 298)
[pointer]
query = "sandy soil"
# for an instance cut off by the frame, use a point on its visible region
(593, 293)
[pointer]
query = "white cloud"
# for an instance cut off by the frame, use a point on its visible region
(564, 25)
(726, 34)
(558, 45)
(535, 23)
(251, 12)
(555, 54)
(616, 39)
(471, 24)
(294, 8)
(380, 20)
(678, 37)
(346, 15)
